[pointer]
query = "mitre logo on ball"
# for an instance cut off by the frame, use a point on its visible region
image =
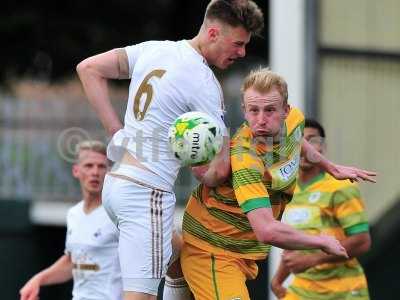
(195, 138)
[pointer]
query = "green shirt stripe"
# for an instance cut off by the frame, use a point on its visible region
(255, 203)
(336, 271)
(358, 228)
(353, 219)
(361, 294)
(198, 230)
(223, 199)
(241, 223)
(346, 194)
(245, 176)
(197, 192)
(214, 277)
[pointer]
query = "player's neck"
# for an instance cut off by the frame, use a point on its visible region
(196, 44)
(90, 202)
(305, 176)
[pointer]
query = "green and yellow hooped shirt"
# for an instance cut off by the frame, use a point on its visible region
(334, 207)
(263, 175)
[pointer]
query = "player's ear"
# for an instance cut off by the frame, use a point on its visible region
(75, 170)
(213, 33)
(286, 108)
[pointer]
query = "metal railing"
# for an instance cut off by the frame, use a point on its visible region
(36, 138)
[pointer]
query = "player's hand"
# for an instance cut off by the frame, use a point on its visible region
(352, 173)
(330, 245)
(30, 291)
(200, 171)
(278, 289)
(298, 262)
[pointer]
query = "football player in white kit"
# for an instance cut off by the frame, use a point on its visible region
(167, 79)
(91, 255)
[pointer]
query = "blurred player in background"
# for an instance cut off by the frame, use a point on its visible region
(324, 205)
(167, 79)
(91, 255)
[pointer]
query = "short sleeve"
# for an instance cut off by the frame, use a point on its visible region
(350, 210)
(247, 175)
(133, 52)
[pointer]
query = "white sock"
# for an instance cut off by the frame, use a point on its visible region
(176, 289)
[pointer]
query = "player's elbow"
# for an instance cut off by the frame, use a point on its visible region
(365, 244)
(361, 245)
(215, 177)
(83, 67)
(222, 174)
(267, 235)
(265, 227)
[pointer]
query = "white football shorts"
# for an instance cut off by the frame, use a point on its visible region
(144, 217)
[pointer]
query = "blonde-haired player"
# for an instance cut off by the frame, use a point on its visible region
(228, 227)
(91, 256)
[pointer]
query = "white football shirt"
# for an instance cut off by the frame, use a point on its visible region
(92, 243)
(167, 79)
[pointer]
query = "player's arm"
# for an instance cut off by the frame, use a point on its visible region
(349, 213)
(355, 246)
(270, 231)
(218, 170)
(59, 272)
(337, 171)
(277, 281)
(94, 73)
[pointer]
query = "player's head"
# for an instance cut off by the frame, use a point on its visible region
(91, 166)
(227, 28)
(314, 133)
(265, 102)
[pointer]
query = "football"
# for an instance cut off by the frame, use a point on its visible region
(195, 138)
